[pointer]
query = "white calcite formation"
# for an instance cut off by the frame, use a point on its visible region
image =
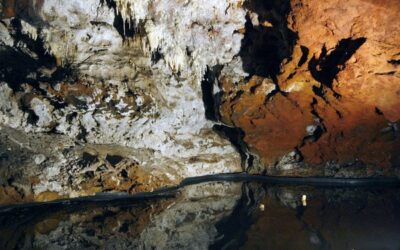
(116, 93)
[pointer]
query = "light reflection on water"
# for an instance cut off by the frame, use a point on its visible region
(218, 215)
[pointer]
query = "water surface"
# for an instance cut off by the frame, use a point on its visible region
(215, 215)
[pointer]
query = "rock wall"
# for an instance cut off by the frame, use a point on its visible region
(130, 95)
(328, 103)
(121, 76)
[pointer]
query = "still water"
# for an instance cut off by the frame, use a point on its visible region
(215, 215)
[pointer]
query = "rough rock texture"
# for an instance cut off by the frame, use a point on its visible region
(328, 101)
(121, 73)
(33, 171)
(132, 95)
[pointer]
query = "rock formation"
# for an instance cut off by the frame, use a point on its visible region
(323, 96)
(81, 78)
(130, 96)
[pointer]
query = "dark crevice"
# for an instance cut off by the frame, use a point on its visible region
(15, 67)
(82, 105)
(32, 117)
(114, 159)
(319, 91)
(10, 180)
(291, 75)
(25, 107)
(237, 96)
(82, 134)
(87, 159)
(19, 66)
(71, 116)
(207, 88)
(53, 129)
(235, 136)
(57, 103)
(124, 173)
(156, 56)
(211, 105)
(390, 73)
(394, 62)
(299, 155)
(126, 28)
(304, 55)
(339, 114)
(378, 111)
(97, 23)
(67, 71)
(37, 46)
(269, 96)
(315, 135)
(325, 68)
(319, 127)
(314, 111)
(264, 48)
(253, 88)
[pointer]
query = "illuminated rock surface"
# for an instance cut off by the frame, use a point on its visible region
(323, 98)
(130, 96)
(112, 106)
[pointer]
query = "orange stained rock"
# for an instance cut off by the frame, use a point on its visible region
(372, 73)
(356, 134)
(8, 8)
(12, 8)
(47, 196)
(9, 195)
(358, 113)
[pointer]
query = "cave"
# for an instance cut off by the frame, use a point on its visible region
(219, 124)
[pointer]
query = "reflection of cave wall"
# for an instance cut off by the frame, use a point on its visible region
(144, 223)
(334, 109)
(333, 218)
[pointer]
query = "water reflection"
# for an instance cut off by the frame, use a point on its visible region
(186, 221)
(216, 215)
(328, 218)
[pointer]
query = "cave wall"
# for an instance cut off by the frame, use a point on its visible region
(129, 96)
(106, 95)
(331, 106)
